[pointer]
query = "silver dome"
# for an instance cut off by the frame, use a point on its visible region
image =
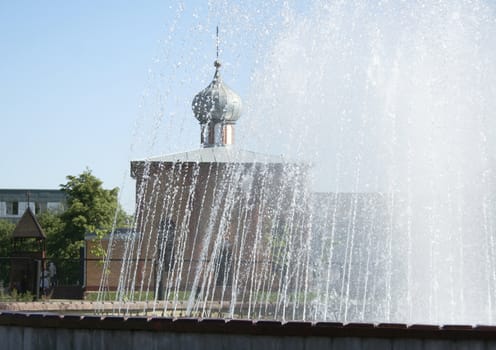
(217, 102)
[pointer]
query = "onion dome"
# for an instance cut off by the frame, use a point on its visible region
(217, 103)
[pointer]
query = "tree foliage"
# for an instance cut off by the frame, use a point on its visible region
(54, 228)
(6, 230)
(90, 209)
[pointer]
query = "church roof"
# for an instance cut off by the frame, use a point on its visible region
(217, 102)
(219, 155)
(28, 227)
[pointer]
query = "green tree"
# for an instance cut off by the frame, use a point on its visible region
(90, 208)
(54, 228)
(6, 230)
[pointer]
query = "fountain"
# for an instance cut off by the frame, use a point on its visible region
(389, 105)
(382, 208)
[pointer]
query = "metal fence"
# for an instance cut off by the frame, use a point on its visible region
(28, 274)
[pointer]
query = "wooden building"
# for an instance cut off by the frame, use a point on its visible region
(204, 218)
(28, 255)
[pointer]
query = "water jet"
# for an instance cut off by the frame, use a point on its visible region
(388, 219)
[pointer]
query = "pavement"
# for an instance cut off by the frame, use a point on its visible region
(62, 305)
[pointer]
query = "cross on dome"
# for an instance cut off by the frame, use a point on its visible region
(217, 108)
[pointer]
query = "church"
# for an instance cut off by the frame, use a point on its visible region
(225, 226)
(210, 219)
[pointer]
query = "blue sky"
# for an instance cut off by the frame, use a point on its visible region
(72, 77)
(95, 84)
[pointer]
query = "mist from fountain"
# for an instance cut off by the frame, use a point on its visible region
(392, 104)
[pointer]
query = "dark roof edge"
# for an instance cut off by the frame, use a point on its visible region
(247, 327)
(24, 220)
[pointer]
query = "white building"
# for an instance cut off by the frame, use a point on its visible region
(14, 202)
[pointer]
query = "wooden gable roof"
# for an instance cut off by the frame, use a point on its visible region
(28, 227)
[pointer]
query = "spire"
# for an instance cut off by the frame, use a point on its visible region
(218, 44)
(217, 108)
(217, 63)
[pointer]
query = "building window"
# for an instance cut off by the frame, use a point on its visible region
(218, 134)
(37, 208)
(54, 207)
(12, 208)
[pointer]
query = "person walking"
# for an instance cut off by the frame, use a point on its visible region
(52, 272)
